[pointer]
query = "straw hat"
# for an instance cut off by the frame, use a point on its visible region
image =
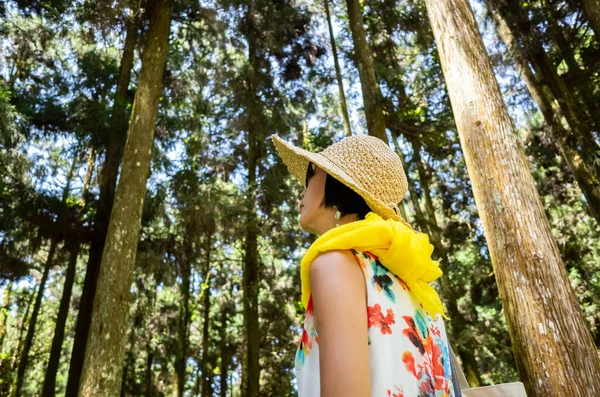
(363, 163)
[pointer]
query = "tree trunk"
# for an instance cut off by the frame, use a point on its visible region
(591, 10)
(105, 349)
(567, 146)
(366, 71)
(338, 73)
(61, 320)
(521, 29)
(225, 354)
(63, 310)
(5, 307)
(22, 327)
(553, 348)
(148, 379)
(205, 370)
(18, 382)
(116, 135)
(183, 325)
(457, 319)
(580, 78)
(251, 369)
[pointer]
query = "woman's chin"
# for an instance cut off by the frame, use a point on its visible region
(304, 225)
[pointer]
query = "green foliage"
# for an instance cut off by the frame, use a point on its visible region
(56, 101)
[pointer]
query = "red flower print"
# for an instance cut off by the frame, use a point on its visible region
(310, 309)
(306, 340)
(441, 383)
(435, 330)
(413, 334)
(377, 319)
(399, 393)
(409, 361)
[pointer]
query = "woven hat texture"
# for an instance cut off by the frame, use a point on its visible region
(362, 162)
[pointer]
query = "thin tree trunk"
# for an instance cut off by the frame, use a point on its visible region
(105, 349)
(225, 354)
(366, 71)
(553, 348)
(61, 320)
(5, 307)
(116, 135)
(183, 324)
(338, 73)
(18, 381)
(457, 319)
(588, 183)
(148, 379)
(251, 369)
(206, 373)
(63, 310)
(22, 327)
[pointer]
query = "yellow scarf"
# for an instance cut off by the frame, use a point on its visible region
(403, 251)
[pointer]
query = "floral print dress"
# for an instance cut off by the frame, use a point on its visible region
(408, 349)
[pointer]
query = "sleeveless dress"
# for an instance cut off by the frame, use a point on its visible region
(408, 349)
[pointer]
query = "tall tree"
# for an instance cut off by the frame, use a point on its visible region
(544, 318)
(55, 240)
(4, 312)
(251, 375)
(338, 72)
(114, 142)
(102, 369)
(366, 70)
(73, 247)
(523, 31)
(588, 183)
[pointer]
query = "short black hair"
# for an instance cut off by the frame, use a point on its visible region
(338, 195)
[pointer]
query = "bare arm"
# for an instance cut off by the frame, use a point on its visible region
(339, 298)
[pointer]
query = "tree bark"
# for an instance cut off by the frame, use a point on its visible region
(251, 369)
(116, 136)
(567, 146)
(338, 73)
(553, 348)
(24, 357)
(101, 375)
(5, 307)
(366, 71)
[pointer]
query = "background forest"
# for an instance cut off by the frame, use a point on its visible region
(213, 276)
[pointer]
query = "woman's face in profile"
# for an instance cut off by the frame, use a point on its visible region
(312, 214)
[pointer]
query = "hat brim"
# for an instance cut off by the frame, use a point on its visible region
(297, 159)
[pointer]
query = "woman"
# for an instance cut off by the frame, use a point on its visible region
(373, 325)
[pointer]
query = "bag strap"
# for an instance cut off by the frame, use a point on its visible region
(459, 381)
